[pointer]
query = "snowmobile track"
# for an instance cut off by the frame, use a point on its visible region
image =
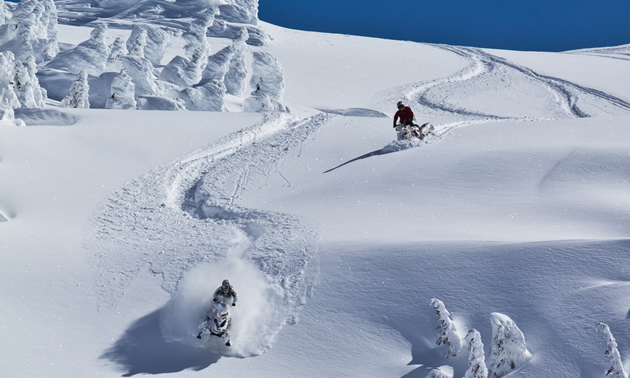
(142, 226)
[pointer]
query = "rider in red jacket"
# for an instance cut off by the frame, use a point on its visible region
(404, 113)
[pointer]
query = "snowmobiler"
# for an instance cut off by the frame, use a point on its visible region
(404, 113)
(218, 318)
(407, 129)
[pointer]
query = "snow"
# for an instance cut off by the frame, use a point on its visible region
(116, 226)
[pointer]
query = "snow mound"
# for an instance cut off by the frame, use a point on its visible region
(400, 145)
(48, 117)
(355, 112)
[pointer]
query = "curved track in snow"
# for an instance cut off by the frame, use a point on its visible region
(180, 216)
(492, 89)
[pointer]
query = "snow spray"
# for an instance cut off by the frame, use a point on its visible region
(254, 319)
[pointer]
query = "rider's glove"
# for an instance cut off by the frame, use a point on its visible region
(233, 304)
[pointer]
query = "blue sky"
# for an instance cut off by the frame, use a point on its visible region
(536, 25)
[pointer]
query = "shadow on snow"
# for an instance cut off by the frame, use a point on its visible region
(382, 151)
(142, 350)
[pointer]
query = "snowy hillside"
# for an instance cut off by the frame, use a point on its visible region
(217, 146)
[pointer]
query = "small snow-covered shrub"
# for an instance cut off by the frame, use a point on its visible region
(79, 93)
(447, 330)
(614, 359)
(508, 349)
(123, 92)
(476, 359)
(441, 372)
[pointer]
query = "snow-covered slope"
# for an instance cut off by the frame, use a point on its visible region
(116, 226)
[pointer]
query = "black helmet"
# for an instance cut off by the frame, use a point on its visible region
(225, 284)
(400, 104)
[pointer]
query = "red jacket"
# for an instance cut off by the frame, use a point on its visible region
(406, 116)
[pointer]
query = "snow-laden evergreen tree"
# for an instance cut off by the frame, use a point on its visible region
(441, 372)
(47, 44)
(217, 65)
(614, 359)
(237, 72)
(5, 13)
(123, 93)
(32, 30)
(447, 330)
(193, 72)
(208, 95)
(240, 11)
(508, 350)
(78, 97)
(116, 50)
(268, 84)
(141, 72)
(155, 41)
(196, 35)
(8, 98)
(137, 43)
(26, 85)
(476, 359)
(90, 56)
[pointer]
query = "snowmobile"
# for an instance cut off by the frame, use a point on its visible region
(217, 322)
(414, 131)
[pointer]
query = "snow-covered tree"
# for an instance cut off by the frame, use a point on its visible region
(476, 359)
(218, 65)
(116, 50)
(8, 99)
(154, 40)
(268, 84)
(78, 97)
(196, 35)
(137, 43)
(237, 73)
(5, 13)
(141, 72)
(614, 359)
(508, 349)
(26, 85)
(208, 97)
(47, 43)
(240, 11)
(32, 30)
(447, 330)
(441, 372)
(91, 55)
(193, 72)
(123, 92)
